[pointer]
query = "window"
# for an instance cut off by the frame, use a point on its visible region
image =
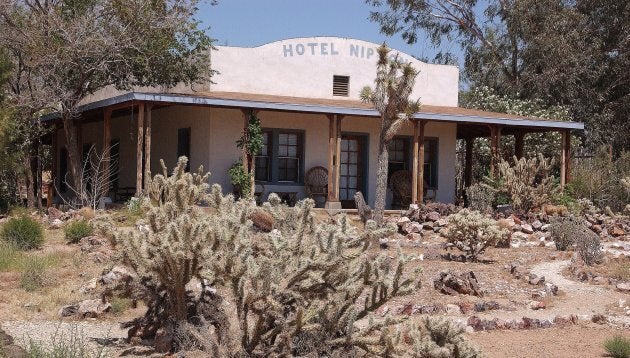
(263, 160)
(398, 155)
(281, 159)
(288, 158)
(341, 85)
(183, 144)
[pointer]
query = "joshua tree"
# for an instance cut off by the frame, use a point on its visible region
(390, 96)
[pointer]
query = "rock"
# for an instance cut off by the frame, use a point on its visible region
(616, 231)
(432, 253)
(537, 225)
(599, 280)
(551, 289)
(545, 227)
(55, 214)
(599, 319)
(414, 236)
(519, 236)
(535, 280)
(427, 225)
(433, 216)
(431, 309)
(537, 305)
(89, 286)
(412, 227)
(402, 221)
(69, 310)
(93, 308)
(466, 307)
(452, 284)
(565, 320)
(526, 228)
(56, 223)
(487, 306)
(117, 275)
(529, 323)
(624, 287)
(442, 222)
(597, 229)
(406, 309)
(452, 309)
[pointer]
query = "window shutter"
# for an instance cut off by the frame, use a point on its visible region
(341, 85)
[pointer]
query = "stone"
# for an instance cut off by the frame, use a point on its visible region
(452, 309)
(565, 320)
(442, 222)
(529, 323)
(599, 280)
(69, 310)
(402, 221)
(432, 254)
(599, 319)
(431, 309)
(623, 287)
(545, 227)
(616, 231)
(536, 280)
(427, 225)
(519, 236)
(526, 228)
(433, 216)
(537, 305)
(551, 289)
(93, 308)
(487, 306)
(466, 307)
(452, 284)
(117, 275)
(89, 286)
(55, 214)
(597, 229)
(537, 225)
(383, 243)
(414, 236)
(412, 227)
(56, 223)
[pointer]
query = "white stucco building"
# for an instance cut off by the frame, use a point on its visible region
(306, 93)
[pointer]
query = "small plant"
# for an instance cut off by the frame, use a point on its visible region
(439, 337)
(480, 197)
(618, 347)
(9, 256)
(120, 304)
(563, 231)
(134, 206)
(472, 232)
(77, 230)
(588, 246)
(73, 344)
(240, 180)
(24, 232)
(33, 273)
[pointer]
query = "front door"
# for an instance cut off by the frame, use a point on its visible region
(351, 170)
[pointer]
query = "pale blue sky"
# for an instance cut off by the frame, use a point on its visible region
(250, 23)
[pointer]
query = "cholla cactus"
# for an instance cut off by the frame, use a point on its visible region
(174, 240)
(440, 338)
(625, 182)
(472, 232)
(528, 182)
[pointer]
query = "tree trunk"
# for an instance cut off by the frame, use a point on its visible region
(73, 149)
(28, 180)
(381, 182)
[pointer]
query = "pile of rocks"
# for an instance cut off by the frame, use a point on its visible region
(450, 283)
(479, 324)
(86, 309)
(56, 217)
(606, 225)
(520, 272)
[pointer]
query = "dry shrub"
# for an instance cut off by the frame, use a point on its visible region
(480, 197)
(568, 231)
(472, 232)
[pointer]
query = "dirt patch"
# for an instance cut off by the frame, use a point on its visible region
(569, 342)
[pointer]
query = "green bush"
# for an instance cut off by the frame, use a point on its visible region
(77, 230)
(24, 232)
(618, 347)
(34, 273)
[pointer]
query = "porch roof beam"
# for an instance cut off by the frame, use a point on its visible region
(261, 105)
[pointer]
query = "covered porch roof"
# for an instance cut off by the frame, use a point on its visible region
(468, 119)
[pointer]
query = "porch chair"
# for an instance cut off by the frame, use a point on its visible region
(316, 183)
(400, 182)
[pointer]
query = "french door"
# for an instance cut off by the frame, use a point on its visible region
(351, 169)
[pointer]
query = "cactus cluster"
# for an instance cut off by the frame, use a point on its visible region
(287, 287)
(472, 232)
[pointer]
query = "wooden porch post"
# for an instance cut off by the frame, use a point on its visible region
(338, 155)
(495, 143)
(107, 138)
(519, 140)
(139, 147)
(331, 156)
(53, 170)
(147, 147)
(414, 166)
(470, 144)
(565, 157)
(420, 182)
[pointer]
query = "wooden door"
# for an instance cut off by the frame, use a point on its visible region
(350, 169)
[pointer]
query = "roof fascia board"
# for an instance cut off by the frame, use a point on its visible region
(209, 101)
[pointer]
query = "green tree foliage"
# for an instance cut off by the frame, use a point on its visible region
(393, 86)
(570, 53)
(251, 142)
(298, 290)
(63, 51)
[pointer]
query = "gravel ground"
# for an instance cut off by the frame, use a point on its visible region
(95, 337)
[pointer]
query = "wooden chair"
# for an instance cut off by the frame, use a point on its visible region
(316, 183)
(400, 183)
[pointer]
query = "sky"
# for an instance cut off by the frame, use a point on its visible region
(250, 23)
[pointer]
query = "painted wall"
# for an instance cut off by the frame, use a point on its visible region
(304, 67)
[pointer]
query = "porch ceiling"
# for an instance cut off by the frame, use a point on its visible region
(470, 121)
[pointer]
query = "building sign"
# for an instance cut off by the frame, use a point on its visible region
(331, 49)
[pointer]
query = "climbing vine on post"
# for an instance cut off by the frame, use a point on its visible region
(251, 142)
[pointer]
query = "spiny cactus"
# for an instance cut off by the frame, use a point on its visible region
(297, 290)
(528, 182)
(440, 338)
(472, 232)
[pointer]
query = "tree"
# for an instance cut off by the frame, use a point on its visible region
(251, 143)
(390, 96)
(67, 50)
(573, 54)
